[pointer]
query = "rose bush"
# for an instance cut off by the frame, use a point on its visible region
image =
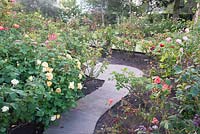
(41, 71)
(35, 81)
(171, 96)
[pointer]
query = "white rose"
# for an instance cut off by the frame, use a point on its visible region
(155, 127)
(53, 118)
(78, 64)
(45, 64)
(49, 76)
(181, 50)
(38, 62)
(179, 41)
(30, 78)
(69, 56)
(71, 85)
(44, 69)
(80, 76)
(185, 38)
(80, 86)
(14, 82)
(26, 36)
(4, 108)
(187, 30)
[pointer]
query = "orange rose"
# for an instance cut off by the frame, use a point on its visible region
(49, 83)
(16, 26)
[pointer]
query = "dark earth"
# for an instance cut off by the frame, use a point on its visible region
(90, 85)
(122, 117)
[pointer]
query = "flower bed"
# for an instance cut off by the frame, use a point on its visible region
(41, 70)
(169, 96)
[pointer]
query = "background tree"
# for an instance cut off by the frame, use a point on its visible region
(197, 14)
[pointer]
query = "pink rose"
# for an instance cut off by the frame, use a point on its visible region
(157, 80)
(166, 87)
(12, 1)
(168, 39)
(52, 37)
(2, 28)
(110, 101)
(155, 121)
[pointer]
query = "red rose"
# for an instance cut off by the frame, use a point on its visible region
(157, 80)
(162, 45)
(155, 121)
(152, 48)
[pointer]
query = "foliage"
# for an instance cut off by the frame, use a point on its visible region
(41, 67)
(173, 86)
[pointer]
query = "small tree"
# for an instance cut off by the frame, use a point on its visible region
(197, 14)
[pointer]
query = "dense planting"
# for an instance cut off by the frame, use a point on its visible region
(171, 95)
(43, 62)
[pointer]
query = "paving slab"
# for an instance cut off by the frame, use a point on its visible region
(83, 118)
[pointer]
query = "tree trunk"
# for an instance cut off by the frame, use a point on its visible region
(102, 14)
(130, 10)
(176, 11)
(197, 14)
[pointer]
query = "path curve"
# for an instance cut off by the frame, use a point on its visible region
(83, 118)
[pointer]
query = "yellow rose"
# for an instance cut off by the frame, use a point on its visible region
(58, 116)
(78, 64)
(49, 76)
(49, 83)
(45, 64)
(80, 86)
(50, 70)
(80, 76)
(71, 85)
(69, 56)
(58, 90)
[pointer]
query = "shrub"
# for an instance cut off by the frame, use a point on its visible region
(172, 90)
(37, 83)
(40, 76)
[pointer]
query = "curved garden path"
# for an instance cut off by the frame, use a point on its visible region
(83, 118)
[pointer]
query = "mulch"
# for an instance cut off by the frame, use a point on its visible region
(122, 117)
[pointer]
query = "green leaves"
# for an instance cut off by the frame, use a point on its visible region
(33, 99)
(165, 124)
(178, 70)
